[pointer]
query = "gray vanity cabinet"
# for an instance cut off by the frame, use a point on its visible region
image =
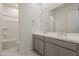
(38, 44)
(50, 49)
(78, 49)
(54, 50)
(41, 47)
(55, 47)
(65, 52)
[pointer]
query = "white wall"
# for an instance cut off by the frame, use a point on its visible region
(25, 28)
(35, 15)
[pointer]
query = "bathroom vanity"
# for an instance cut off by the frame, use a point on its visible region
(56, 47)
(53, 46)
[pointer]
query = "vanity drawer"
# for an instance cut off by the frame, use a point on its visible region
(78, 49)
(38, 37)
(62, 43)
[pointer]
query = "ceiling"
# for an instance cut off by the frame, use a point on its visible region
(51, 6)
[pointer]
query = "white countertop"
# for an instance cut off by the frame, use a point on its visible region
(69, 36)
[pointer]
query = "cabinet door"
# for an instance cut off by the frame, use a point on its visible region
(65, 52)
(50, 49)
(53, 50)
(36, 44)
(41, 46)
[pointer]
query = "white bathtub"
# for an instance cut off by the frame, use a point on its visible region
(10, 44)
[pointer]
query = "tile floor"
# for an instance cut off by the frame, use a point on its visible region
(14, 52)
(30, 53)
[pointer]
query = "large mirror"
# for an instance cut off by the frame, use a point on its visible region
(65, 18)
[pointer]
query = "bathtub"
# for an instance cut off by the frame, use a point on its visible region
(10, 43)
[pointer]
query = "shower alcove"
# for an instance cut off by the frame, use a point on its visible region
(9, 28)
